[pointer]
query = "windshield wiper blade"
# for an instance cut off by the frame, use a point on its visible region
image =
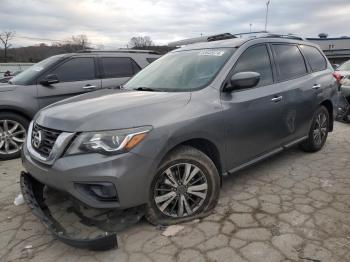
(141, 88)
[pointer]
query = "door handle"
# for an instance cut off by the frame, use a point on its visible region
(316, 86)
(277, 99)
(88, 86)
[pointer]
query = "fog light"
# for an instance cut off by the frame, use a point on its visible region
(103, 191)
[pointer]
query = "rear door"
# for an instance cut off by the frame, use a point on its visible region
(76, 76)
(253, 116)
(117, 70)
(295, 83)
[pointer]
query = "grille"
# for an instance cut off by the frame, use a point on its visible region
(43, 139)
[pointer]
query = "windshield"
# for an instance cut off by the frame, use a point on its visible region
(181, 71)
(27, 75)
(344, 67)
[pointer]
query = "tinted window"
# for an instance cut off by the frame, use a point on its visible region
(117, 67)
(256, 59)
(76, 69)
(315, 58)
(290, 61)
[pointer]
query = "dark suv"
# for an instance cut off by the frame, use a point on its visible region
(56, 78)
(196, 114)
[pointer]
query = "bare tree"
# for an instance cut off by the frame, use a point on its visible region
(140, 42)
(5, 39)
(81, 41)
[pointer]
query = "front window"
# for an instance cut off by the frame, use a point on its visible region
(181, 71)
(25, 77)
(344, 67)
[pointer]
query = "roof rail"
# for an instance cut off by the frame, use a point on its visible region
(119, 51)
(220, 37)
(266, 34)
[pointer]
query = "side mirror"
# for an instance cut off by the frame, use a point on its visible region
(243, 80)
(49, 80)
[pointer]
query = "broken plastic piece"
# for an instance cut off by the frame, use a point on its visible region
(19, 200)
(32, 191)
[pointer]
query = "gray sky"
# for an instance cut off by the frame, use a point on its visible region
(114, 22)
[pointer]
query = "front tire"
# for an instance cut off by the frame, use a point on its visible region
(318, 132)
(13, 130)
(186, 187)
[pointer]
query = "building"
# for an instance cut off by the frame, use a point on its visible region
(337, 49)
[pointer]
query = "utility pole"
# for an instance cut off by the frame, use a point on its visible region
(267, 12)
(250, 27)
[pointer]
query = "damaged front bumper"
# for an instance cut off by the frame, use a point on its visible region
(33, 193)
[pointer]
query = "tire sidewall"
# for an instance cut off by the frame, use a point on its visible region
(20, 119)
(208, 168)
(324, 110)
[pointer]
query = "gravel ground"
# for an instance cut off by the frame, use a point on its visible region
(292, 207)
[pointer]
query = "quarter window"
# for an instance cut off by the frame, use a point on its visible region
(76, 69)
(117, 67)
(315, 58)
(256, 59)
(290, 62)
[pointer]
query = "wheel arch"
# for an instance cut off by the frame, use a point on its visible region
(204, 145)
(14, 110)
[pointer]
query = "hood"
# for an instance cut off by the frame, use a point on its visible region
(7, 87)
(110, 109)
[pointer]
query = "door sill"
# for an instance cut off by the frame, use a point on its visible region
(264, 156)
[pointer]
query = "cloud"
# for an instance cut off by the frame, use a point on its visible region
(114, 22)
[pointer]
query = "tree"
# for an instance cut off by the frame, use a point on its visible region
(140, 42)
(5, 39)
(81, 41)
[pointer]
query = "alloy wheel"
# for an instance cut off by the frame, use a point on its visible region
(12, 136)
(320, 128)
(180, 190)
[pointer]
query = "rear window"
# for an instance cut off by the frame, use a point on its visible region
(315, 58)
(290, 62)
(117, 67)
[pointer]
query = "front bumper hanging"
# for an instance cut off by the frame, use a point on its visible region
(33, 193)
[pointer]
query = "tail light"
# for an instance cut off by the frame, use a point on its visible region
(337, 77)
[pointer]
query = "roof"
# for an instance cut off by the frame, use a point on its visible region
(119, 51)
(237, 42)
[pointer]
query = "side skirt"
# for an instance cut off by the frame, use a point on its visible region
(267, 155)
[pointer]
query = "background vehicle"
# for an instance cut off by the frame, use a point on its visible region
(197, 113)
(7, 78)
(57, 78)
(344, 71)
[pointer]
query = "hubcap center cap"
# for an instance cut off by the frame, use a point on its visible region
(181, 190)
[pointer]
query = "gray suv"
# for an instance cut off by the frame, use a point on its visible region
(57, 78)
(164, 141)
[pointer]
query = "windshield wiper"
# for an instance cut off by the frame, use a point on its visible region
(141, 88)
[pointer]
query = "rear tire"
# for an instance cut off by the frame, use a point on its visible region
(13, 129)
(191, 198)
(318, 132)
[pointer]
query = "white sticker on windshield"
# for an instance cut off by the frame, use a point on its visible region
(38, 68)
(211, 52)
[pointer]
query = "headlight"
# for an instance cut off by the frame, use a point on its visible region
(108, 142)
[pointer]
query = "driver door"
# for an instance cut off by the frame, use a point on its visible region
(76, 76)
(253, 115)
